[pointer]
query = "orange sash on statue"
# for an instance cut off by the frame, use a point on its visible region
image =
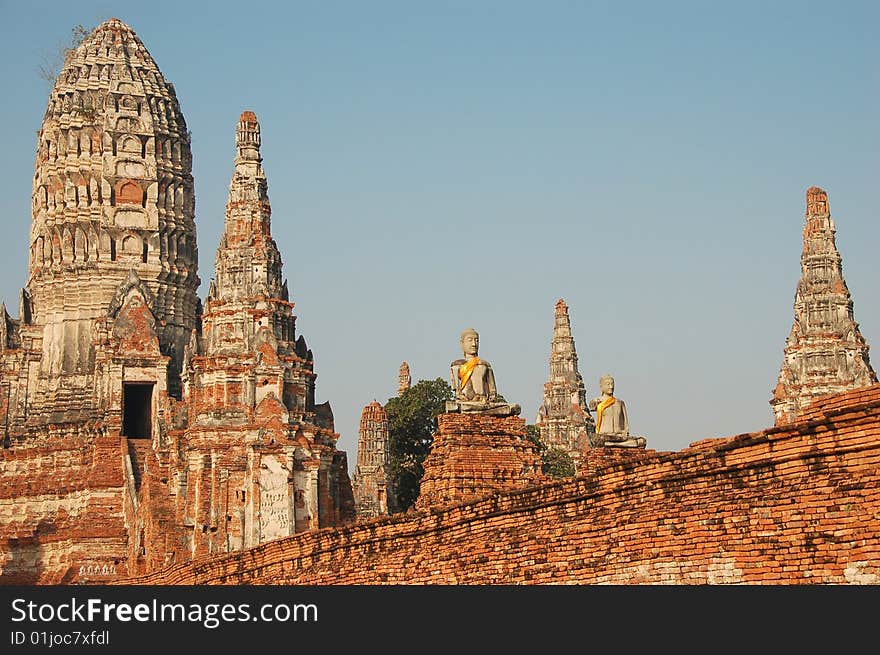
(600, 408)
(466, 370)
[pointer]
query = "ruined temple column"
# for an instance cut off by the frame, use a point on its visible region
(372, 485)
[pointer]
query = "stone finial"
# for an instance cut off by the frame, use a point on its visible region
(817, 201)
(825, 351)
(247, 136)
(561, 308)
(404, 380)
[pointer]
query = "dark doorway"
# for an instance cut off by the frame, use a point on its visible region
(137, 402)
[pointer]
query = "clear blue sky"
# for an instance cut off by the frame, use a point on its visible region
(438, 165)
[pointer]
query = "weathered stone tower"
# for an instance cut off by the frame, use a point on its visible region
(563, 418)
(138, 432)
(258, 459)
(825, 352)
(373, 494)
(113, 208)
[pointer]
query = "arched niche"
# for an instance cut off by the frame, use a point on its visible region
(129, 193)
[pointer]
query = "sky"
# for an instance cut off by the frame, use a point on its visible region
(440, 165)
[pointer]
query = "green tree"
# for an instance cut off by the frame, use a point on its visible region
(555, 462)
(412, 421)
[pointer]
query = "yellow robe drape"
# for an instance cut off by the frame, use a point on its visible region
(600, 409)
(466, 370)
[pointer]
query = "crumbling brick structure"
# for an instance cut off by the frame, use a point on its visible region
(473, 454)
(793, 504)
(139, 431)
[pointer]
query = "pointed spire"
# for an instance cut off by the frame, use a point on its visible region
(825, 351)
(563, 419)
(404, 380)
(248, 263)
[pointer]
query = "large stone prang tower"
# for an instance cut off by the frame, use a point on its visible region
(138, 429)
(112, 194)
(825, 351)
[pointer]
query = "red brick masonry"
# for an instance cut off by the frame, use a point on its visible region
(796, 504)
(474, 454)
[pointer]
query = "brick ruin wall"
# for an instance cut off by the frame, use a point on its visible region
(63, 511)
(794, 504)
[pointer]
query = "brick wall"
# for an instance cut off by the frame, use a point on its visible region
(474, 454)
(62, 514)
(793, 504)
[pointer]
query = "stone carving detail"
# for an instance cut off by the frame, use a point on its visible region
(275, 500)
(825, 352)
(473, 382)
(612, 422)
(563, 418)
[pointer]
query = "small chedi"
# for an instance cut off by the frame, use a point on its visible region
(612, 422)
(563, 418)
(473, 382)
(825, 352)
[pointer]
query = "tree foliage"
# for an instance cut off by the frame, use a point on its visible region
(53, 62)
(412, 421)
(555, 462)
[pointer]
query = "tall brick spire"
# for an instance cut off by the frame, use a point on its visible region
(372, 485)
(825, 352)
(563, 418)
(249, 384)
(248, 304)
(248, 263)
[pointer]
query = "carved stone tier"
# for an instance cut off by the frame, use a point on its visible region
(476, 454)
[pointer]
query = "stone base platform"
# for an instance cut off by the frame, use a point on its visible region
(476, 454)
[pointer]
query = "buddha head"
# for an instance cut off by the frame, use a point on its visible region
(470, 342)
